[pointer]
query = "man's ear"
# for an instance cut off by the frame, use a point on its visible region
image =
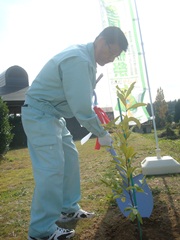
(100, 41)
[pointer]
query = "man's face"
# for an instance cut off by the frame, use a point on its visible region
(106, 53)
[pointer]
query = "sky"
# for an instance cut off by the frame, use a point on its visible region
(33, 31)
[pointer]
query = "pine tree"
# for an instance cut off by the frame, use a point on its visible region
(160, 109)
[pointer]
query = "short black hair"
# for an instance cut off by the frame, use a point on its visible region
(114, 35)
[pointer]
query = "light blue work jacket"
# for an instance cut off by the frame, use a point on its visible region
(64, 87)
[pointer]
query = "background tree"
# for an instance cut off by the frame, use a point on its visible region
(170, 111)
(160, 109)
(177, 112)
(148, 107)
(5, 128)
(171, 108)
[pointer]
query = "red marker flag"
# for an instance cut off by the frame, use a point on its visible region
(103, 117)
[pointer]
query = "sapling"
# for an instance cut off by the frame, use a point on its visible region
(121, 179)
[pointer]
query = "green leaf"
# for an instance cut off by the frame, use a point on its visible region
(123, 199)
(130, 90)
(139, 218)
(125, 122)
(136, 105)
(122, 98)
(135, 211)
(129, 152)
(128, 209)
(132, 217)
(132, 119)
(138, 189)
(130, 171)
(142, 181)
(130, 188)
(121, 90)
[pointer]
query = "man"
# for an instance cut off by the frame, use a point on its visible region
(63, 89)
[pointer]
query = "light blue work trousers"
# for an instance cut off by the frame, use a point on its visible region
(55, 167)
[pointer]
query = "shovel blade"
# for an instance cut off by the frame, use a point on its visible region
(144, 199)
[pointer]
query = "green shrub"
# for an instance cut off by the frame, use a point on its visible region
(5, 128)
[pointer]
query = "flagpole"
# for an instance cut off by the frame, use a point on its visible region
(158, 151)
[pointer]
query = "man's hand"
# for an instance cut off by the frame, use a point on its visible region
(106, 140)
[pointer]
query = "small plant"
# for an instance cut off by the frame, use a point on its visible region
(121, 179)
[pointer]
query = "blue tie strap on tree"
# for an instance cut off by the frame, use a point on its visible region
(133, 196)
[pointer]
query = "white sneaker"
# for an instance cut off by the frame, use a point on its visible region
(59, 234)
(80, 214)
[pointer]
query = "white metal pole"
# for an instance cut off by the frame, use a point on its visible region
(152, 110)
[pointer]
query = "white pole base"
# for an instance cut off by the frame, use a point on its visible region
(158, 166)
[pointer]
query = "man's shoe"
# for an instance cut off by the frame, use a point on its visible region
(80, 214)
(59, 234)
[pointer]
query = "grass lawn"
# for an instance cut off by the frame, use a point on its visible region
(17, 188)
